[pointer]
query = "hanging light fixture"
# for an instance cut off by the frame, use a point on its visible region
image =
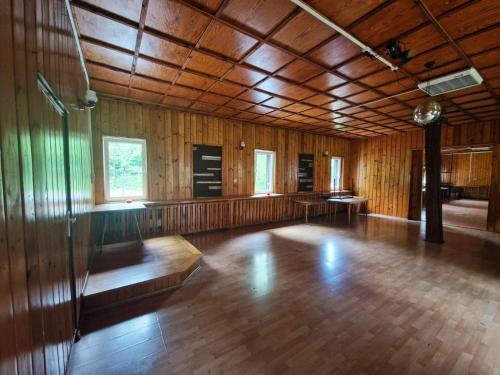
(430, 111)
(427, 112)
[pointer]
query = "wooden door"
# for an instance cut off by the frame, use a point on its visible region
(50, 183)
(415, 206)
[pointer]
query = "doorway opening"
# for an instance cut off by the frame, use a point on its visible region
(465, 186)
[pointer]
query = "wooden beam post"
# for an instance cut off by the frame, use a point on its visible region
(433, 209)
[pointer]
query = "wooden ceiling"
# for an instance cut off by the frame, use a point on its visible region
(269, 62)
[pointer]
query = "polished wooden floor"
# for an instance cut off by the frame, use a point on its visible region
(130, 270)
(467, 213)
(314, 299)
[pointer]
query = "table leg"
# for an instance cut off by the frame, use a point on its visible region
(138, 228)
(334, 211)
(349, 213)
(307, 208)
(103, 232)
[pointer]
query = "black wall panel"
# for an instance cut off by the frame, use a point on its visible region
(306, 170)
(207, 171)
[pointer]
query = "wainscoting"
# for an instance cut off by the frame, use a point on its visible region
(201, 215)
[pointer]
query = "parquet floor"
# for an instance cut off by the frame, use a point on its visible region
(314, 299)
(466, 213)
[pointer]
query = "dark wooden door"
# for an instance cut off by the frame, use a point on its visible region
(49, 139)
(417, 165)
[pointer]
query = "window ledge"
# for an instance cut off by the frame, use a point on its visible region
(264, 195)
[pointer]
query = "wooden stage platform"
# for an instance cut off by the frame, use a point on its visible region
(128, 271)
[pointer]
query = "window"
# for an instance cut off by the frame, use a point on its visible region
(336, 173)
(125, 164)
(264, 171)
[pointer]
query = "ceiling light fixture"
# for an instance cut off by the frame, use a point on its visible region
(430, 111)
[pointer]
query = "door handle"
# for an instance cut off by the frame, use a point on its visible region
(69, 220)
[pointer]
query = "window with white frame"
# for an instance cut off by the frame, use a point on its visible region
(125, 168)
(264, 171)
(336, 173)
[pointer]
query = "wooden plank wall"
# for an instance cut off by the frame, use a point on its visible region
(467, 169)
(170, 135)
(201, 215)
(494, 205)
(381, 171)
(34, 279)
(381, 166)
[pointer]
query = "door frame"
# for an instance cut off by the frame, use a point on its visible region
(416, 176)
(58, 105)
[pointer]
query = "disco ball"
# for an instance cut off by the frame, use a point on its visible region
(427, 112)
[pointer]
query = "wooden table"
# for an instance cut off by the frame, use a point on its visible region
(336, 194)
(354, 201)
(109, 208)
(307, 204)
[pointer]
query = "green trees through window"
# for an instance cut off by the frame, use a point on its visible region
(264, 171)
(336, 173)
(125, 168)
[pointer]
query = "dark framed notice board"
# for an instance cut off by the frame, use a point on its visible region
(306, 172)
(207, 171)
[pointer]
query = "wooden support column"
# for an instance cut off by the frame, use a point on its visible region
(433, 209)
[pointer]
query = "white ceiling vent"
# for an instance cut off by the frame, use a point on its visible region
(451, 82)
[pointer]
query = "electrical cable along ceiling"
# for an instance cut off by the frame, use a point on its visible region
(273, 63)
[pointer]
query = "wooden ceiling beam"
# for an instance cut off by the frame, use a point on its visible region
(286, 50)
(171, 39)
(112, 47)
(212, 113)
(197, 45)
(428, 52)
(399, 37)
(406, 91)
(388, 120)
(200, 112)
(228, 97)
(337, 35)
(168, 106)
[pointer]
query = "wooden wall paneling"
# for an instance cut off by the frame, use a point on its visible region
(8, 357)
(170, 180)
(467, 169)
(26, 68)
(180, 130)
(481, 169)
(35, 276)
(193, 216)
(17, 323)
(493, 221)
(414, 142)
(169, 172)
(382, 172)
(8, 345)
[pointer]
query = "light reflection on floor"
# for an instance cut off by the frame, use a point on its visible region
(262, 269)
